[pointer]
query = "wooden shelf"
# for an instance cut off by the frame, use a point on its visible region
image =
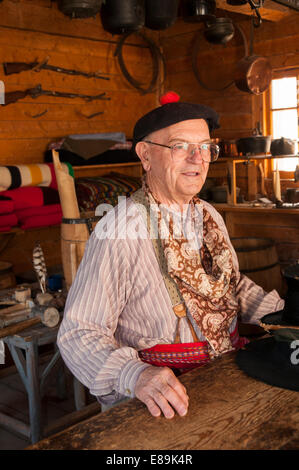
(255, 157)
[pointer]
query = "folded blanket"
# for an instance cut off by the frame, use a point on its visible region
(8, 220)
(6, 205)
(39, 174)
(5, 228)
(31, 212)
(42, 221)
(32, 196)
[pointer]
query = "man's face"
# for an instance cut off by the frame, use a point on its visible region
(175, 181)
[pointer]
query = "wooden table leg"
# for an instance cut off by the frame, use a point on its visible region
(33, 390)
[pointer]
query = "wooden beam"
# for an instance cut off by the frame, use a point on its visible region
(271, 11)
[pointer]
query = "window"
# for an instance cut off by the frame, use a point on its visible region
(283, 113)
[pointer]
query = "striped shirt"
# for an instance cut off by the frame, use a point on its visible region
(118, 304)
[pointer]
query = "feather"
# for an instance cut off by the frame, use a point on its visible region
(39, 265)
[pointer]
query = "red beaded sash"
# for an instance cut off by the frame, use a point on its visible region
(185, 356)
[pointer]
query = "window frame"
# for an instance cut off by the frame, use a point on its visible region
(267, 111)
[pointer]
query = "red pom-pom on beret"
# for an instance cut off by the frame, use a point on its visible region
(169, 97)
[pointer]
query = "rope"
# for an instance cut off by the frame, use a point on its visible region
(195, 50)
(157, 57)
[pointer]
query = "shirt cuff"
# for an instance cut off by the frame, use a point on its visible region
(129, 375)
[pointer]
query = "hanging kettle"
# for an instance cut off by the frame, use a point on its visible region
(120, 17)
(80, 8)
(219, 31)
(194, 11)
(160, 14)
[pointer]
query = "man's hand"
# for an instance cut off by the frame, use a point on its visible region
(159, 388)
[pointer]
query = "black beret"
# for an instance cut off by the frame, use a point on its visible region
(171, 113)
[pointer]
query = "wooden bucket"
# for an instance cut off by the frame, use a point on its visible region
(7, 277)
(258, 260)
(74, 235)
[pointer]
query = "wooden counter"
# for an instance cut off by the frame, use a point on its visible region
(227, 410)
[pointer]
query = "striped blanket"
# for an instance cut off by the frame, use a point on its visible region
(38, 174)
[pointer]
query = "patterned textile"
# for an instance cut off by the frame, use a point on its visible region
(93, 191)
(206, 279)
(185, 356)
(39, 174)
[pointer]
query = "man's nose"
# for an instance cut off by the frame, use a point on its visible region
(195, 154)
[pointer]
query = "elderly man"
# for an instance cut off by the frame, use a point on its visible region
(159, 291)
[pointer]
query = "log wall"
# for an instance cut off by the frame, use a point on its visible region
(34, 30)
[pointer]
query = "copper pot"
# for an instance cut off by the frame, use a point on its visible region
(228, 148)
(254, 74)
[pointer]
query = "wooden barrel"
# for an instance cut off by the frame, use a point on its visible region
(258, 260)
(74, 235)
(7, 277)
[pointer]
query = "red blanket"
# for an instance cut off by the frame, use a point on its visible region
(6, 205)
(8, 220)
(42, 220)
(32, 196)
(32, 212)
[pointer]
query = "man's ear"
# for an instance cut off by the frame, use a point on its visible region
(142, 151)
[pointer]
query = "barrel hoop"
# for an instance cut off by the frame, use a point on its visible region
(264, 268)
(86, 221)
(269, 243)
(252, 248)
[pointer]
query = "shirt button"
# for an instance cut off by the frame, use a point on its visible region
(128, 391)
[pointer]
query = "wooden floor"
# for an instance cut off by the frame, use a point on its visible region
(13, 402)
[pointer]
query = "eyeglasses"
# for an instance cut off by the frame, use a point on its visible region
(209, 152)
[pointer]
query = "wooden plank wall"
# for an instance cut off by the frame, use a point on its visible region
(36, 29)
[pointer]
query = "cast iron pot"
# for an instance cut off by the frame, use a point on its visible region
(219, 31)
(194, 11)
(160, 14)
(120, 17)
(254, 145)
(80, 8)
(282, 146)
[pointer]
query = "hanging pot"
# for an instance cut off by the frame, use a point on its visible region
(194, 11)
(219, 31)
(120, 17)
(160, 14)
(254, 73)
(282, 146)
(80, 8)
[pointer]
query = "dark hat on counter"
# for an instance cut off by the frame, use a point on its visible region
(273, 360)
(289, 316)
(170, 112)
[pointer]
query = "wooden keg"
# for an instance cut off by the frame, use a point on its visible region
(258, 260)
(7, 277)
(74, 235)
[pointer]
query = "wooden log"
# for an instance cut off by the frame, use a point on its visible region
(13, 329)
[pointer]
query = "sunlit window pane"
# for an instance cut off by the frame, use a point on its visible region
(284, 92)
(285, 124)
(287, 164)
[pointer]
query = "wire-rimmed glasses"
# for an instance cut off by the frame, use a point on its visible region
(208, 150)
